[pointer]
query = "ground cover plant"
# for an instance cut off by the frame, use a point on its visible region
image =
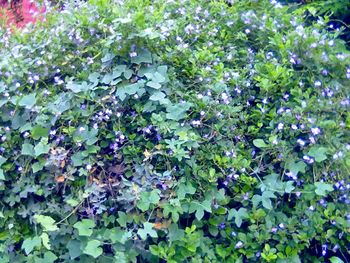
(174, 131)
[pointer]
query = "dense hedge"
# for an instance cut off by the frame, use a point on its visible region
(174, 131)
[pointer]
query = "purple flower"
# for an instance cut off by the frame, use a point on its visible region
(133, 54)
(324, 72)
(222, 226)
(315, 131)
(246, 196)
(335, 248)
(324, 250)
(312, 140)
(301, 142)
(308, 159)
(239, 244)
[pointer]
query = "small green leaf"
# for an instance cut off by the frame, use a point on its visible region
(123, 218)
(38, 132)
(46, 222)
(259, 143)
(175, 233)
(319, 153)
(147, 230)
(41, 148)
(148, 198)
(107, 78)
(118, 71)
(2, 176)
(157, 77)
(184, 189)
(177, 112)
(49, 257)
(85, 227)
(91, 137)
(28, 149)
(93, 248)
(118, 235)
(107, 57)
(238, 215)
(157, 96)
(74, 249)
(200, 208)
(128, 73)
(36, 167)
(153, 84)
(78, 87)
(295, 167)
(143, 56)
(28, 101)
(132, 89)
(94, 77)
(77, 159)
(265, 199)
(30, 243)
(46, 241)
(323, 188)
(336, 260)
(289, 187)
(2, 160)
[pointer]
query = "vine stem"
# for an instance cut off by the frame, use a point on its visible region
(71, 213)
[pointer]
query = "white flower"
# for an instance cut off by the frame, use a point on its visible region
(315, 131)
(239, 244)
(312, 140)
(318, 83)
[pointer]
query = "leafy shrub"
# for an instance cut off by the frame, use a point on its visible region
(177, 131)
(337, 11)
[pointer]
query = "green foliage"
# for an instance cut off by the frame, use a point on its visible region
(46, 222)
(93, 248)
(175, 131)
(85, 227)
